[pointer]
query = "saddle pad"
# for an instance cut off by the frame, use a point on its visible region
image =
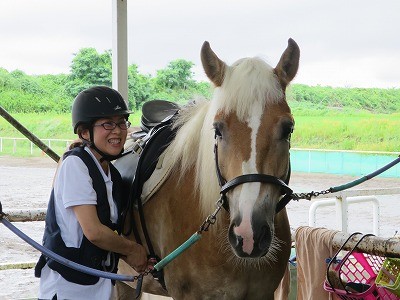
(145, 164)
(158, 177)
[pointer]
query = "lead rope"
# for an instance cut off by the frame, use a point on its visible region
(210, 220)
(309, 196)
(62, 260)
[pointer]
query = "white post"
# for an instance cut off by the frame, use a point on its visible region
(345, 214)
(339, 214)
(312, 212)
(375, 209)
(120, 47)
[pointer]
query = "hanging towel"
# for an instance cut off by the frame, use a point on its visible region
(313, 247)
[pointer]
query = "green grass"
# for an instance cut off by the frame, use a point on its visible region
(43, 126)
(47, 125)
(364, 132)
(317, 129)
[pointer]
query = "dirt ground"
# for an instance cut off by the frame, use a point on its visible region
(25, 183)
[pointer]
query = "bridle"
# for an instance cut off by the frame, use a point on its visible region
(226, 186)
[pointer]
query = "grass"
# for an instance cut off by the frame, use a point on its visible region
(334, 130)
(364, 132)
(44, 126)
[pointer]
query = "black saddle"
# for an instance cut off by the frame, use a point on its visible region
(154, 112)
(139, 161)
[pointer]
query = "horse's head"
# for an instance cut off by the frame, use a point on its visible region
(253, 124)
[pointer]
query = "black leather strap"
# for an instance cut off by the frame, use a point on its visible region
(255, 178)
(226, 186)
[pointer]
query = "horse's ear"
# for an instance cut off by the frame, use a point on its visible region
(212, 65)
(288, 65)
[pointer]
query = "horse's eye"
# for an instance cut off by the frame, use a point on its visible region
(217, 130)
(287, 130)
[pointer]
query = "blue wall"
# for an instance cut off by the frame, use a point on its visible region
(342, 162)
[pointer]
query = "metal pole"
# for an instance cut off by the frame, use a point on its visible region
(120, 47)
(29, 135)
(387, 247)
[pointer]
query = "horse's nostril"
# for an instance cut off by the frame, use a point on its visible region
(265, 238)
(239, 241)
(235, 240)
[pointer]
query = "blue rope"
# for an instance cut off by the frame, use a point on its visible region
(62, 260)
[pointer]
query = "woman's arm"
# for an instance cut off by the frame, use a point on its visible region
(103, 237)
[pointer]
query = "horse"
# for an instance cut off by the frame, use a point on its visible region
(239, 138)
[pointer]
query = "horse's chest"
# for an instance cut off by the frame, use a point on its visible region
(220, 285)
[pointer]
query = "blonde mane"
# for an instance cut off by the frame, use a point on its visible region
(247, 82)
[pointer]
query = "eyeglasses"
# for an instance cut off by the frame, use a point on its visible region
(112, 125)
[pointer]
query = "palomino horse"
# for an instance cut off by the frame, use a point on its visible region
(248, 123)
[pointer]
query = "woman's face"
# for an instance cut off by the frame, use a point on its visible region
(109, 141)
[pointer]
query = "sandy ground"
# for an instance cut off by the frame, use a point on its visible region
(26, 183)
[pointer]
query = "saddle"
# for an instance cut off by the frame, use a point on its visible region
(145, 151)
(143, 148)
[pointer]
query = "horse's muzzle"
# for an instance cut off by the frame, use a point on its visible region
(251, 246)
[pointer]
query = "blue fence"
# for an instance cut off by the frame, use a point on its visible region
(356, 163)
(343, 162)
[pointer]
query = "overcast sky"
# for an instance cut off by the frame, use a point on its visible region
(342, 42)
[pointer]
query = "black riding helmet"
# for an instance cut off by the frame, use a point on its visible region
(96, 103)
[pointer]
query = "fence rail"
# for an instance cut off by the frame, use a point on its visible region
(13, 144)
(342, 200)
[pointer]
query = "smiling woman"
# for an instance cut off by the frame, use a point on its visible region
(85, 208)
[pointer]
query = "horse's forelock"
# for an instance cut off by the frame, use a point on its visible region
(247, 82)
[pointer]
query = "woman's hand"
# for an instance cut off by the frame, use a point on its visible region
(137, 258)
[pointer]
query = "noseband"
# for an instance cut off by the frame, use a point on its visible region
(226, 186)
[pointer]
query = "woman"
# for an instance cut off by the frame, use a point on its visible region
(85, 207)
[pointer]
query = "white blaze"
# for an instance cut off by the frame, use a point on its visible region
(249, 191)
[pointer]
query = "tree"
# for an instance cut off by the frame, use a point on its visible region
(139, 87)
(89, 68)
(177, 75)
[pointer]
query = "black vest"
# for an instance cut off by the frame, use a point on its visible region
(88, 254)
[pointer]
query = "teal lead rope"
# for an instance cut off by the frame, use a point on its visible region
(364, 178)
(210, 220)
(178, 251)
(346, 186)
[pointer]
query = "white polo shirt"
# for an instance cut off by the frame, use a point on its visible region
(73, 186)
